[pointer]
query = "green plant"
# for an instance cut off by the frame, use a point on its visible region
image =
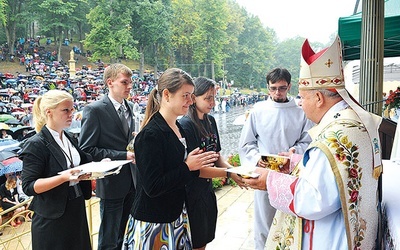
(218, 182)
(234, 160)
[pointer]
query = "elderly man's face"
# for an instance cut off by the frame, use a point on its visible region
(308, 102)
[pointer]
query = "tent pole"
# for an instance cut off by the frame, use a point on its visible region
(371, 58)
(356, 7)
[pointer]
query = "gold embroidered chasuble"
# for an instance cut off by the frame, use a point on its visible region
(346, 143)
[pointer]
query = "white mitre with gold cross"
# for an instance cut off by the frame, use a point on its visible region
(324, 70)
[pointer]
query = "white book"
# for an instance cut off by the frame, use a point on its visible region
(99, 169)
(244, 171)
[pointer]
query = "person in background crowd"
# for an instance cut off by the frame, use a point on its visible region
(109, 139)
(201, 131)
(330, 201)
(21, 195)
(223, 105)
(159, 218)
(49, 157)
(4, 134)
(273, 126)
(9, 198)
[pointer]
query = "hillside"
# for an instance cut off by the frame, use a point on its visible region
(14, 67)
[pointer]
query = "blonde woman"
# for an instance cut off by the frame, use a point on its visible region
(58, 199)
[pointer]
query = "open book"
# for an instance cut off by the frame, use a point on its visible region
(99, 169)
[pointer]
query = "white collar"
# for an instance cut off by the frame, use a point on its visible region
(117, 104)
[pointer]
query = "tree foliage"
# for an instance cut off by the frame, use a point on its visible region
(10, 11)
(150, 22)
(110, 33)
(210, 37)
(185, 21)
(3, 5)
(254, 57)
(213, 38)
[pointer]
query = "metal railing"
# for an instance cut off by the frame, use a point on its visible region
(18, 237)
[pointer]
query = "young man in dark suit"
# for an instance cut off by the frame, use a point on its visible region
(104, 135)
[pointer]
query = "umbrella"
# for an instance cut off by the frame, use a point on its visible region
(39, 78)
(9, 145)
(5, 117)
(13, 121)
(10, 165)
(16, 113)
(18, 131)
(5, 154)
(26, 105)
(15, 97)
(11, 80)
(4, 126)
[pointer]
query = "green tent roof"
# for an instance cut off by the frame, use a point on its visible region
(350, 32)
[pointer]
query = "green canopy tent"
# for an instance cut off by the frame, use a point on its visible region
(350, 32)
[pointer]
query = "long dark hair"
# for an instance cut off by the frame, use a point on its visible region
(172, 79)
(201, 86)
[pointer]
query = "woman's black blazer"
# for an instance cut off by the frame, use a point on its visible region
(42, 158)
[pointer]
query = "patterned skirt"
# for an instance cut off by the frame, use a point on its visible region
(166, 236)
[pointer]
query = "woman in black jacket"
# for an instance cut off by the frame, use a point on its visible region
(159, 218)
(59, 220)
(201, 130)
(9, 198)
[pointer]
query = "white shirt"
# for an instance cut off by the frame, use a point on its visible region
(117, 105)
(68, 149)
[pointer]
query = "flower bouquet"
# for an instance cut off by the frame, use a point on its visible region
(392, 103)
(393, 100)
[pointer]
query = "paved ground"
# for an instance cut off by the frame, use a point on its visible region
(228, 132)
(235, 205)
(235, 220)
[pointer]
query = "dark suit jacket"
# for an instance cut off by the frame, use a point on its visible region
(102, 136)
(42, 158)
(162, 173)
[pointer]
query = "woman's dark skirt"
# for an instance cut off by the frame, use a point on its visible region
(69, 232)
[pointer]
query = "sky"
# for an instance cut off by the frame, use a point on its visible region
(312, 19)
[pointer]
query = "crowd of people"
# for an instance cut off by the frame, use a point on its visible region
(163, 198)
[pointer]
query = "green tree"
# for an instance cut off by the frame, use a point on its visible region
(80, 20)
(235, 27)
(185, 21)
(210, 37)
(10, 12)
(3, 5)
(287, 55)
(150, 24)
(110, 34)
(254, 57)
(54, 16)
